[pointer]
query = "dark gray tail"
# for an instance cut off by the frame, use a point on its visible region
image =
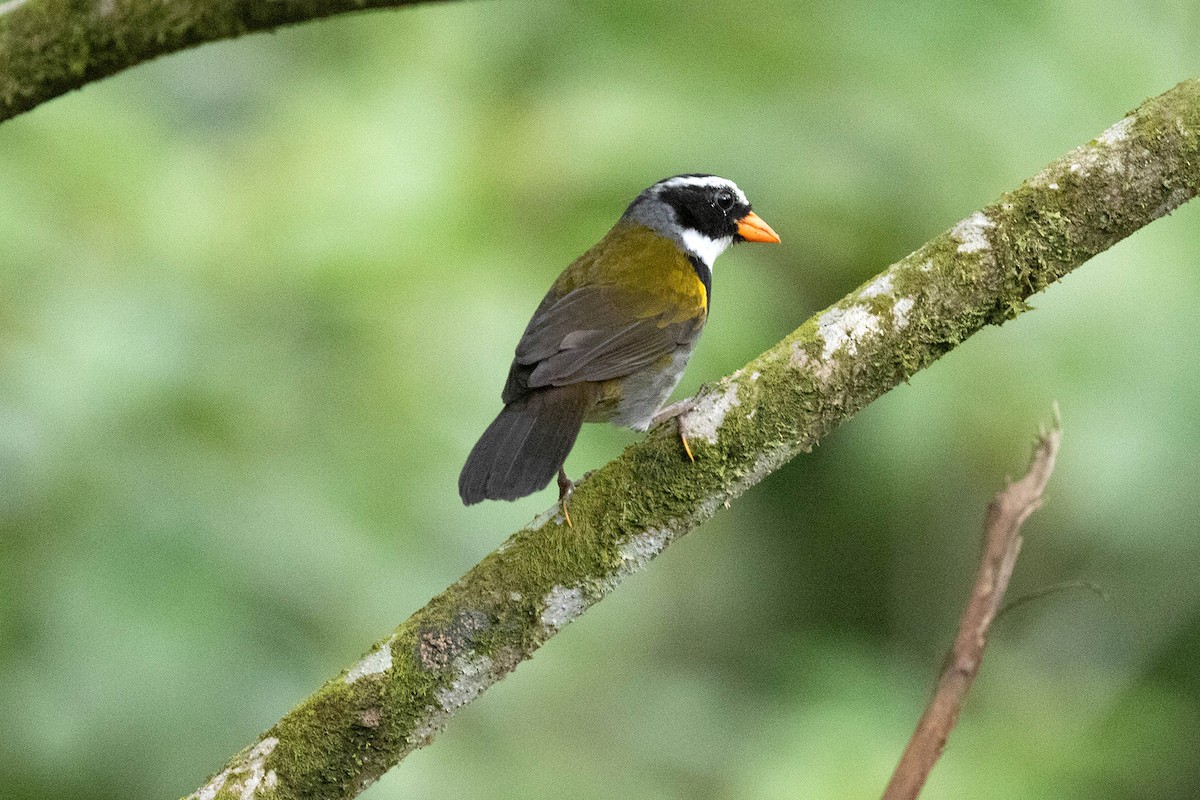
(524, 447)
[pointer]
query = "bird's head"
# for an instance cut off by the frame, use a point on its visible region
(703, 213)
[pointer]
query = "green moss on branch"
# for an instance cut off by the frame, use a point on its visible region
(49, 47)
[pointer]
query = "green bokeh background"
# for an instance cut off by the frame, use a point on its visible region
(257, 300)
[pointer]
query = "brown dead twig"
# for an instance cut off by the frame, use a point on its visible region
(1001, 544)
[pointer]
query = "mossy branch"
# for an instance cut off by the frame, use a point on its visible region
(979, 272)
(49, 47)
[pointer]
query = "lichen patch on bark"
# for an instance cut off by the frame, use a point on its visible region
(881, 285)
(1117, 133)
(638, 550)
(705, 418)
(473, 673)
(561, 605)
(377, 661)
(972, 233)
(900, 312)
(244, 778)
(845, 328)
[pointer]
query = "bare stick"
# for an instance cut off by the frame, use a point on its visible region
(1001, 545)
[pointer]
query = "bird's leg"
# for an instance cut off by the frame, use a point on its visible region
(678, 410)
(673, 410)
(565, 487)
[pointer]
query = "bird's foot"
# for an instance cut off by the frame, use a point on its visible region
(674, 410)
(565, 487)
(678, 411)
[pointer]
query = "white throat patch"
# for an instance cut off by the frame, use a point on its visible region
(704, 248)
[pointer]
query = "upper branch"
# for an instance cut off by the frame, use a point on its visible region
(49, 47)
(980, 271)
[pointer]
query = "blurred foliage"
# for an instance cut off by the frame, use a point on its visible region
(257, 301)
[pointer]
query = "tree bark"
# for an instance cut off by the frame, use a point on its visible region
(741, 429)
(49, 47)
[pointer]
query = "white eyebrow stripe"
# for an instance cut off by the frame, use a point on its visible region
(712, 181)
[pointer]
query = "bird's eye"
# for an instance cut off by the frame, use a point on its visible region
(724, 200)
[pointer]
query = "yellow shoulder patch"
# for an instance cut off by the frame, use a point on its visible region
(654, 271)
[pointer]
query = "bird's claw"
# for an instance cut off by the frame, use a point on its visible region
(565, 487)
(677, 411)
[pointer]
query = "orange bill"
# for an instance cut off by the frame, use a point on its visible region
(752, 228)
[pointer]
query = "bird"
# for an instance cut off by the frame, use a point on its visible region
(610, 340)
